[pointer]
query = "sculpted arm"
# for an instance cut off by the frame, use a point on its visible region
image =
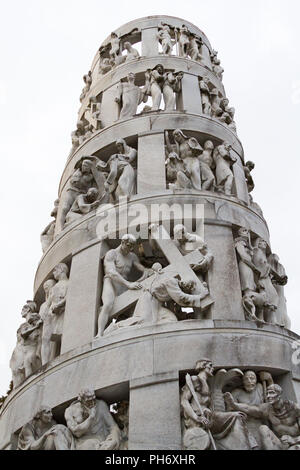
(180, 297)
(254, 411)
(186, 396)
(85, 208)
(146, 272)
(111, 271)
(243, 255)
(78, 430)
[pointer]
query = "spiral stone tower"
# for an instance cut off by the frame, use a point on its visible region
(157, 258)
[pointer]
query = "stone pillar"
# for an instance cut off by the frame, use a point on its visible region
(83, 297)
(151, 172)
(189, 99)
(223, 276)
(154, 413)
(109, 108)
(240, 181)
(149, 42)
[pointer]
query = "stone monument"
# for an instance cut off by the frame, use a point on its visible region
(158, 319)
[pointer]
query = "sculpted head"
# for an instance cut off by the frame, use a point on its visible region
(159, 68)
(249, 381)
(131, 77)
(274, 393)
(127, 45)
(92, 194)
(29, 307)
(44, 415)
(157, 267)
(180, 232)
(121, 145)
(128, 243)
(61, 270)
(113, 35)
(86, 166)
(244, 233)
(209, 145)
(205, 365)
(87, 397)
(261, 244)
(250, 165)
(187, 287)
(179, 136)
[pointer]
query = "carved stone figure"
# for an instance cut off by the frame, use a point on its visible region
(216, 65)
(215, 101)
(118, 264)
(177, 177)
(92, 424)
(84, 204)
(88, 82)
(132, 53)
(44, 313)
(171, 87)
(130, 96)
(17, 361)
(43, 433)
(224, 161)
(105, 65)
(225, 114)
(30, 333)
(279, 280)
(165, 39)
(93, 113)
(203, 427)
(260, 298)
(282, 431)
(195, 49)
(85, 177)
(247, 169)
(160, 83)
(76, 136)
(253, 393)
(121, 173)
(47, 235)
(188, 151)
(261, 263)
(207, 166)
(54, 311)
(115, 50)
(184, 41)
(205, 96)
(254, 300)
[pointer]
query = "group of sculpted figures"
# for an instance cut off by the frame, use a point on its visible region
(262, 281)
(39, 336)
(158, 290)
(190, 166)
(252, 417)
(216, 106)
(90, 425)
(188, 45)
(159, 84)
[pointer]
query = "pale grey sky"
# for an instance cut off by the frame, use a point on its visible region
(46, 48)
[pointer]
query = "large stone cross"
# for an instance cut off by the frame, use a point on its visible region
(179, 264)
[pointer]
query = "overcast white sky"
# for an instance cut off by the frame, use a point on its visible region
(46, 48)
